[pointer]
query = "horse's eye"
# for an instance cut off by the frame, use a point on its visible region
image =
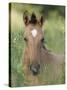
(42, 40)
(25, 38)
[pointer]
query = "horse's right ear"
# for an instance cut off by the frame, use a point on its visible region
(26, 17)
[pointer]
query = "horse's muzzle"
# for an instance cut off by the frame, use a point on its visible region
(35, 69)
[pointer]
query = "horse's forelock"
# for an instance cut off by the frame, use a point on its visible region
(33, 19)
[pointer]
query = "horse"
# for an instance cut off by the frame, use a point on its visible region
(40, 65)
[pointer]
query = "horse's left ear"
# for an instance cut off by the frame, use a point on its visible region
(26, 17)
(41, 21)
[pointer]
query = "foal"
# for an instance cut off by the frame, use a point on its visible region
(40, 65)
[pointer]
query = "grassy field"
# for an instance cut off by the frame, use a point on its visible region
(53, 34)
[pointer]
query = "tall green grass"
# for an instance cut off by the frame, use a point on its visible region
(54, 33)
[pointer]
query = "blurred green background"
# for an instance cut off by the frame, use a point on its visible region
(54, 29)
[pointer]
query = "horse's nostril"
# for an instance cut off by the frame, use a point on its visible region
(35, 69)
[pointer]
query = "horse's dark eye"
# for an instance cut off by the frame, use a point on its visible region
(42, 40)
(25, 38)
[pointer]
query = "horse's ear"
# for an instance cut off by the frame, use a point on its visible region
(41, 21)
(26, 17)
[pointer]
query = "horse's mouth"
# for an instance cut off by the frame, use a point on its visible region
(35, 73)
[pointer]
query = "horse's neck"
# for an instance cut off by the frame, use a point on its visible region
(49, 57)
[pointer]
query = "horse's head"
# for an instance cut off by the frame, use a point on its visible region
(34, 39)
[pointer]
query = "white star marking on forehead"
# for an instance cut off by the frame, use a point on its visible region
(34, 33)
